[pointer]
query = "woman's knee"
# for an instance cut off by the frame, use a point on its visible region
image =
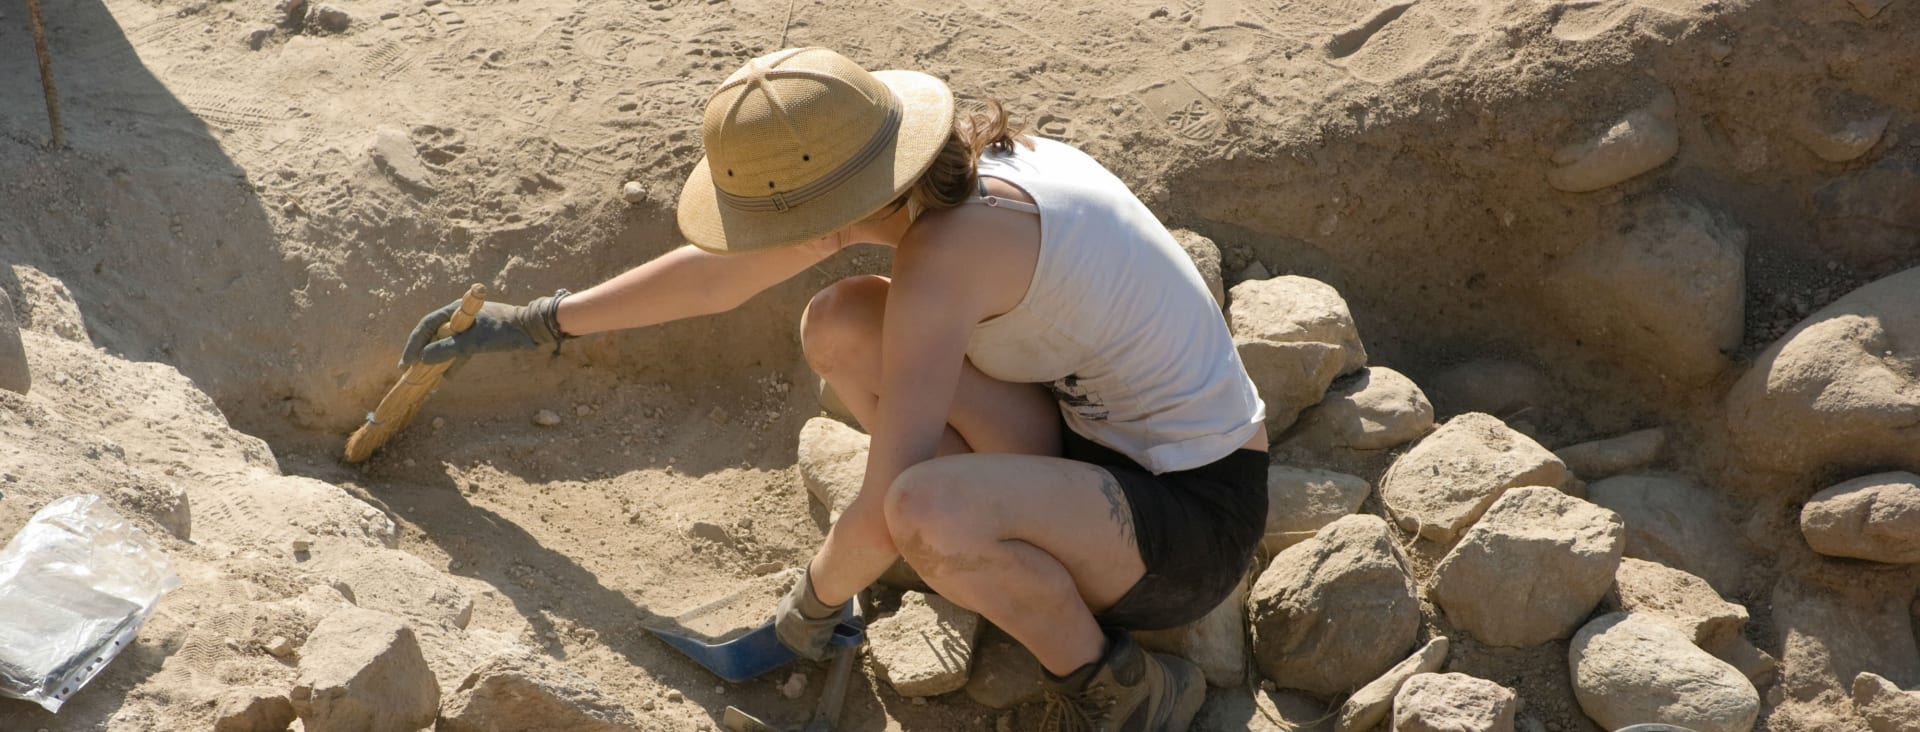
(927, 508)
(841, 325)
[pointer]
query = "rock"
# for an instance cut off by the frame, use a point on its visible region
(1868, 9)
(1372, 409)
(1453, 703)
(1675, 523)
(1839, 622)
(1301, 501)
(252, 709)
(1254, 270)
(362, 671)
(1531, 570)
(1217, 642)
(1642, 140)
(795, 686)
(1688, 602)
(1352, 569)
(279, 646)
(1838, 140)
(926, 647)
(1295, 336)
(633, 192)
(1868, 217)
(1206, 258)
(328, 18)
(1664, 289)
(833, 463)
(1492, 386)
(546, 418)
(292, 12)
(1633, 669)
(519, 691)
(14, 375)
(1614, 455)
(1373, 702)
(1874, 517)
(1838, 392)
(258, 37)
(393, 152)
(1757, 665)
(1883, 704)
(1005, 674)
(1447, 480)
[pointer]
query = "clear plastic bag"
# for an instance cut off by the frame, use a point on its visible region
(76, 584)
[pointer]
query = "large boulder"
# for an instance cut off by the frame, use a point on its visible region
(833, 462)
(362, 671)
(1217, 642)
(926, 647)
(1302, 501)
(1884, 705)
(1453, 703)
(1352, 569)
(1373, 702)
(1836, 623)
(1674, 522)
(1295, 336)
(1686, 601)
(252, 709)
(519, 691)
(1874, 517)
(1446, 481)
(1635, 669)
(1840, 389)
(1206, 258)
(1372, 409)
(1664, 290)
(1531, 570)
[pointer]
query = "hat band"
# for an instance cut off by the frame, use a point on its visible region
(783, 200)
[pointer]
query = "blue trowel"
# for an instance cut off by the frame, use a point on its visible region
(758, 651)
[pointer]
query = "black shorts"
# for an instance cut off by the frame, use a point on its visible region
(1197, 530)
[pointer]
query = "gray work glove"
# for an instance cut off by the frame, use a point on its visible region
(803, 623)
(497, 327)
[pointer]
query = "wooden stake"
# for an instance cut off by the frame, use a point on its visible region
(46, 72)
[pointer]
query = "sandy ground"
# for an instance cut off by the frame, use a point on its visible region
(219, 213)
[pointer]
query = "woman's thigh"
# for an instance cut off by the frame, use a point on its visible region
(840, 332)
(941, 511)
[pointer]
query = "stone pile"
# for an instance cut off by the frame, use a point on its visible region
(1630, 574)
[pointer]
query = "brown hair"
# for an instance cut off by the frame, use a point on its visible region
(953, 175)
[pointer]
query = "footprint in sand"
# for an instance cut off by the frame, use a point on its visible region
(1186, 112)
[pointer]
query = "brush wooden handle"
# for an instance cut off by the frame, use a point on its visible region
(406, 396)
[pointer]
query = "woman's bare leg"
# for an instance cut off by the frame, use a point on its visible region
(1032, 542)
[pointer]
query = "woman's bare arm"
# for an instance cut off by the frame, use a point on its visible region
(684, 283)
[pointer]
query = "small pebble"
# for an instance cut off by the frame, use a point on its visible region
(674, 695)
(583, 410)
(795, 686)
(439, 423)
(719, 689)
(546, 418)
(633, 192)
(766, 568)
(303, 544)
(279, 646)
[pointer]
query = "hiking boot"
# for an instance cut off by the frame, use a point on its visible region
(1128, 690)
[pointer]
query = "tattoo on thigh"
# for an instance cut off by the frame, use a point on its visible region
(1117, 507)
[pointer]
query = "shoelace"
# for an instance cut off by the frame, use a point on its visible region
(1082, 712)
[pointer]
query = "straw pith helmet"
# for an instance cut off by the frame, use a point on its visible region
(803, 141)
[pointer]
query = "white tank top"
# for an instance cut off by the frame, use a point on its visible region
(1117, 321)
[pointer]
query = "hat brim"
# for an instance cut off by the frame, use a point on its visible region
(926, 121)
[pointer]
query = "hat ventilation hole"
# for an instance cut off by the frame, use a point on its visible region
(729, 172)
(769, 184)
(806, 158)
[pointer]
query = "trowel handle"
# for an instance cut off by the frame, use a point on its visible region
(463, 317)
